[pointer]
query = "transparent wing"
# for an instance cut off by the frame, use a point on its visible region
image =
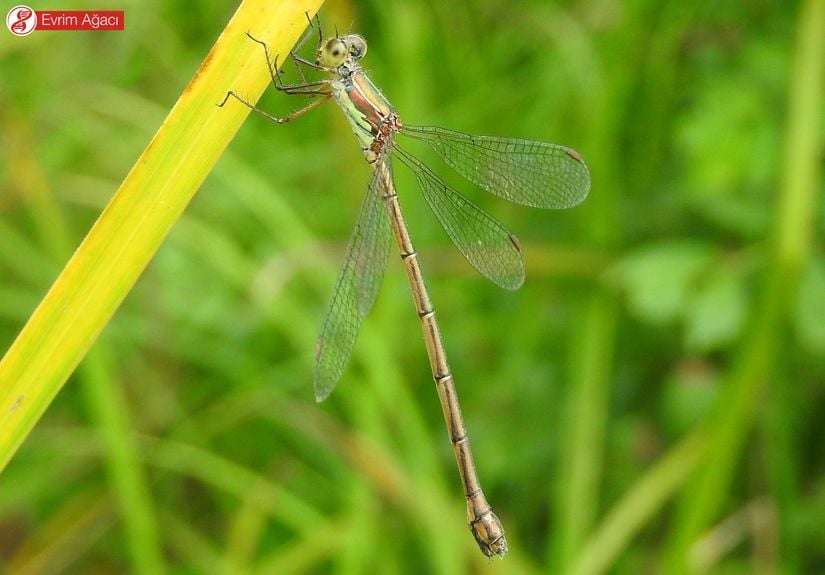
(487, 245)
(526, 172)
(355, 292)
(371, 259)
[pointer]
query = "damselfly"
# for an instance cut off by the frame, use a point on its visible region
(526, 172)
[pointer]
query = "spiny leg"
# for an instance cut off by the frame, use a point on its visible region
(304, 88)
(297, 60)
(311, 89)
(294, 52)
(305, 62)
(324, 97)
(303, 41)
(309, 32)
(318, 23)
(271, 65)
(298, 68)
(275, 73)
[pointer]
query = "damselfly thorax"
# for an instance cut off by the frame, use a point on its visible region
(371, 116)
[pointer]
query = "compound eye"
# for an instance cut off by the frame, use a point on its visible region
(357, 46)
(334, 53)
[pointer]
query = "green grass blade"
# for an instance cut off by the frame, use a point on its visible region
(109, 408)
(795, 217)
(585, 422)
(106, 402)
(639, 505)
(131, 228)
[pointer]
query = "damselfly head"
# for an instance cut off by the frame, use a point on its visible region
(334, 52)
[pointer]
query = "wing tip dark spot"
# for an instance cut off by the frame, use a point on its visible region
(319, 347)
(515, 241)
(575, 155)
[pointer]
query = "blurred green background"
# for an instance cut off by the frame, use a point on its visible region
(651, 401)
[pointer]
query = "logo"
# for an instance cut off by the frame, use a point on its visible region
(21, 20)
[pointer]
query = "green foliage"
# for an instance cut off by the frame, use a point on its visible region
(661, 280)
(672, 281)
(650, 400)
(809, 312)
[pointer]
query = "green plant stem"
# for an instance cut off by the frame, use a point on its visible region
(110, 412)
(592, 355)
(782, 466)
(106, 403)
(638, 506)
(791, 243)
(578, 487)
(130, 230)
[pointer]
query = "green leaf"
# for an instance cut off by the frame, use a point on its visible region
(657, 279)
(716, 312)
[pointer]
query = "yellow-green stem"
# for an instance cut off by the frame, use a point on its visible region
(131, 228)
